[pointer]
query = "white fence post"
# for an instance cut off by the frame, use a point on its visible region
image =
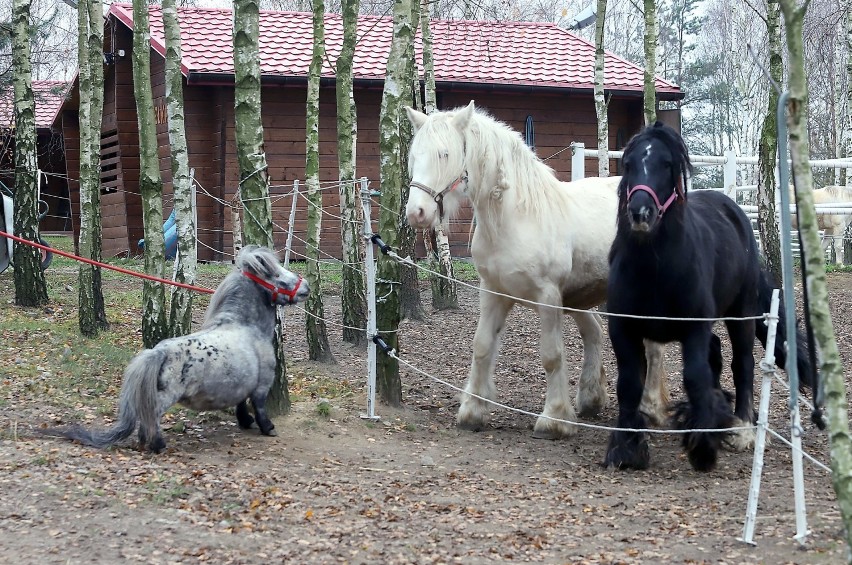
(730, 174)
(291, 225)
(578, 160)
(767, 368)
(370, 272)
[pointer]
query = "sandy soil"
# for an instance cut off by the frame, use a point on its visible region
(410, 488)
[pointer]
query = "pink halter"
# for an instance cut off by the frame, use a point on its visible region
(661, 208)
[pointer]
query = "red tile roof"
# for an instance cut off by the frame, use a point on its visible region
(497, 53)
(49, 96)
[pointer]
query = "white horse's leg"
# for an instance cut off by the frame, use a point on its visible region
(655, 396)
(493, 310)
(591, 392)
(557, 403)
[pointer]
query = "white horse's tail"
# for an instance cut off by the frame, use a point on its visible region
(137, 403)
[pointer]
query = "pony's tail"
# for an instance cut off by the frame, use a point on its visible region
(806, 368)
(137, 404)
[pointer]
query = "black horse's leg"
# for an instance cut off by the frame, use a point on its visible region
(707, 407)
(628, 449)
(258, 400)
(244, 419)
(742, 366)
(715, 359)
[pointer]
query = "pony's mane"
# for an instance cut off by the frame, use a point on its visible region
(258, 260)
(535, 185)
(671, 139)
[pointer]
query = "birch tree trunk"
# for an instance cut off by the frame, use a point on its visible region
(388, 271)
(318, 347)
(411, 307)
(91, 314)
(254, 180)
(353, 299)
(444, 288)
(650, 43)
(830, 370)
(600, 101)
(30, 286)
(767, 225)
(154, 323)
(96, 62)
(185, 272)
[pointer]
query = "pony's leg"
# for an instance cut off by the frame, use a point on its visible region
(655, 396)
(244, 419)
(591, 392)
(628, 449)
(493, 310)
(557, 404)
(707, 407)
(742, 367)
(258, 400)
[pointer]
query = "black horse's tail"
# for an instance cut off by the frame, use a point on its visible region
(137, 404)
(806, 368)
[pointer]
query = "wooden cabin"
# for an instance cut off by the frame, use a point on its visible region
(49, 97)
(535, 76)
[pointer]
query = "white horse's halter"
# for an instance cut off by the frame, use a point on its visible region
(438, 195)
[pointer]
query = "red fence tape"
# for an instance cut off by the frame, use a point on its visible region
(105, 265)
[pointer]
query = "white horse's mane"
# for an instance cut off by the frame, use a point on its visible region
(537, 190)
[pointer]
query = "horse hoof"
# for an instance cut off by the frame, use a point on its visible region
(702, 450)
(591, 406)
(270, 432)
(546, 434)
(471, 426)
(628, 450)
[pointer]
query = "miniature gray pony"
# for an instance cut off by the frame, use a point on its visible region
(229, 360)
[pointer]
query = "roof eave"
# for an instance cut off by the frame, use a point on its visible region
(219, 78)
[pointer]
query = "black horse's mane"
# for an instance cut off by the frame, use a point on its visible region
(671, 139)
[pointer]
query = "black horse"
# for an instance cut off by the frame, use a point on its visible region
(679, 255)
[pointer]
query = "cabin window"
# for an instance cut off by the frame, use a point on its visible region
(110, 162)
(529, 132)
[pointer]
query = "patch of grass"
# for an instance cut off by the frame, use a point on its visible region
(163, 490)
(324, 409)
(409, 427)
(834, 268)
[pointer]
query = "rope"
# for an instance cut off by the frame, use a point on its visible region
(106, 265)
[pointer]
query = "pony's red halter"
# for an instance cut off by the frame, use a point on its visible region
(438, 195)
(661, 208)
(276, 290)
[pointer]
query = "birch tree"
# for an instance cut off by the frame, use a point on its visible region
(768, 149)
(411, 307)
(251, 158)
(600, 101)
(30, 286)
(444, 288)
(186, 259)
(92, 310)
(388, 271)
(154, 324)
(318, 347)
(830, 369)
(353, 299)
(650, 44)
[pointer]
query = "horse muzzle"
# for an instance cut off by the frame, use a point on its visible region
(421, 217)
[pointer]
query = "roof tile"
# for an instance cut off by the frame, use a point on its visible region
(518, 53)
(49, 95)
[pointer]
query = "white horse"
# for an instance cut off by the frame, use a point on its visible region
(833, 226)
(542, 242)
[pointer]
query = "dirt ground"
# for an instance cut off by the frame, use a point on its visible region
(411, 488)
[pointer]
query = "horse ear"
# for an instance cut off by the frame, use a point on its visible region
(416, 118)
(462, 117)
